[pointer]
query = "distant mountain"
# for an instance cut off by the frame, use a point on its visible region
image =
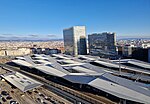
(22, 40)
(133, 38)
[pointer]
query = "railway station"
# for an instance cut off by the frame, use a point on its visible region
(21, 81)
(103, 78)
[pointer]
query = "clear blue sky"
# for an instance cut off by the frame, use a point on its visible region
(46, 19)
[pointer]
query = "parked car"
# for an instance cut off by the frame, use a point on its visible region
(13, 102)
(5, 93)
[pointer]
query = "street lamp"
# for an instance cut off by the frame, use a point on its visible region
(119, 67)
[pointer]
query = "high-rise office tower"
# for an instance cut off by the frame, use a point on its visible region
(75, 40)
(102, 43)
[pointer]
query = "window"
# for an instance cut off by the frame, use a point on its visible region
(12, 77)
(22, 81)
(24, 78)
(29, 82)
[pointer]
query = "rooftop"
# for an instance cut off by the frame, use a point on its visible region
(94, 76)
(21, 81)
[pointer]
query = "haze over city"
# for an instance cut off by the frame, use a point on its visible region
(74, 51)
(45, 20)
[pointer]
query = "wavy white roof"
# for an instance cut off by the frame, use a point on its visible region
(22, 62)
(51, 71)
(94, 76)
(120, 91)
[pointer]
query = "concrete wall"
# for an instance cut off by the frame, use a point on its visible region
(2, 52)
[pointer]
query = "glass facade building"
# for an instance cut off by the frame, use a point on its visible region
(102, 43)
(75, 40)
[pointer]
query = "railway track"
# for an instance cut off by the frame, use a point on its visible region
(77, 97)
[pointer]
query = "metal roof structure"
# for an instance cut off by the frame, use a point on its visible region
(134, 62)
(69, 61)
(21, 81)
(20, 58)
(115, 65)
(43, 62)
(60, 56)
(73, 64)
(29, 60)
(50, 70)
(127, 83)
(94, 76)
(82, 69)
(22, 62)
(75, 79)
(120, 91)
(139, 63)
(40, 57)
(86, 57)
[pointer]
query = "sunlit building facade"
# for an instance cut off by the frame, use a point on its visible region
(75, 40)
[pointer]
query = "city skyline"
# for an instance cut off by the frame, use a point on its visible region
(37, 19)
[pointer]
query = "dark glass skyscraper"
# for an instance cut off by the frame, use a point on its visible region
(102, 43)
(83, 47)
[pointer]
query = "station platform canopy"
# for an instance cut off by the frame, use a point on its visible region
(21, 81)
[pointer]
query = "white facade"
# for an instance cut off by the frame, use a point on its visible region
(15, 52)
(145, 45)
(72, 38)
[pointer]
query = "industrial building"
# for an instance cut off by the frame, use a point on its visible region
(92, 74)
